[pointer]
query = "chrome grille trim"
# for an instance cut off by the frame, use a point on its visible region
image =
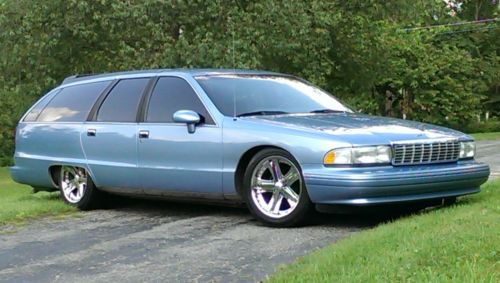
(425, 152)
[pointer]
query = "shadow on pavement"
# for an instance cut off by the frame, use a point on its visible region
(353, 218)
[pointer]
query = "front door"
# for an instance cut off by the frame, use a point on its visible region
(172, 160)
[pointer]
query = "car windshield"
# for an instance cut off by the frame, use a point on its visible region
(251, 95)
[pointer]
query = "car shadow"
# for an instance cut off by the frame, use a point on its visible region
(353, 218)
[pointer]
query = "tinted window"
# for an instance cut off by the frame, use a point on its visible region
(122, 102)
(170, 95)
(73, 103)
(39, 106)
(254, 93)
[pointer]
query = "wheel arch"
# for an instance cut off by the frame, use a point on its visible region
(54, 175)
(245, 160)
(54, 172)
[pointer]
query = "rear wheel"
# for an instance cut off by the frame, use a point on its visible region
(275, 191)
(77, 188)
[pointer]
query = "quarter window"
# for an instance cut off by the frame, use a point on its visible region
(73, 103)
(39, 106)
(170, 95)
(122, 102)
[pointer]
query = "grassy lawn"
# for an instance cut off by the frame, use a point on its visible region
(487, 136)
(454, 244)
(18, 204)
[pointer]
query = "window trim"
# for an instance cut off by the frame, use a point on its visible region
(100, 101)
(93, 111)
(148, 96)
(144, 104)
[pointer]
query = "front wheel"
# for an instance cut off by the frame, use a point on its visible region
(77, 188)
(275, 192)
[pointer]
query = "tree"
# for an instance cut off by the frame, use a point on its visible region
(368, 52)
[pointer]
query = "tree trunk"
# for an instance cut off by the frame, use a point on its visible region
(407, 103)
(479, 3)
(389, 102)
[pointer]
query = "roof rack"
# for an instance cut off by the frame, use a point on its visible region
(148, 72)
(74, 77)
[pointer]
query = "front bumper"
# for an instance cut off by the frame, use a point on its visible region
(389, 184)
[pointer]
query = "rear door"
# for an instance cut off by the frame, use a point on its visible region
(172, 160)
(109, 139)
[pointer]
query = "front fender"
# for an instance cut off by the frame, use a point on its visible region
(240, 135)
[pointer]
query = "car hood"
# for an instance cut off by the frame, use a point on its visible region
(359, 129)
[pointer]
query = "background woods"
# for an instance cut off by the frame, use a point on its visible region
(435, 61)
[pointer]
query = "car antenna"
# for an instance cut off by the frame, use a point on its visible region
(234, 67)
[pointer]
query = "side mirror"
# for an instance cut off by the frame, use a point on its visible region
(188, 117)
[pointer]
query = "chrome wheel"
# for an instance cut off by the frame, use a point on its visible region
(73, 183)
(276, 186)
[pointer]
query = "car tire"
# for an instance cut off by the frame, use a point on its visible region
(77, 188)
(274, 189)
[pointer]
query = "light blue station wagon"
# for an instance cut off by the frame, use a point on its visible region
(272, 141)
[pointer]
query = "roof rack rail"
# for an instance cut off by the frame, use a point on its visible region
(73, 77)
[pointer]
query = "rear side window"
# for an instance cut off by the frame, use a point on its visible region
(122, 102)
(73, 103)
(170, 95)
(39, 106)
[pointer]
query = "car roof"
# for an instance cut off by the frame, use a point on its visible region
(153, 72)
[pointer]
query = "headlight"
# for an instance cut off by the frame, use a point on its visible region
(467, 149)
(358, 155)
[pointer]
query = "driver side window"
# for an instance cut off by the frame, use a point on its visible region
(170, 95)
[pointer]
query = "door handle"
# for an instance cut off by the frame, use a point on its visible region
(91, 132)
(143, 134)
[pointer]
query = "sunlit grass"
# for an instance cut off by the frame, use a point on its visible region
(486, 136)
(18, 203)
(454, 244)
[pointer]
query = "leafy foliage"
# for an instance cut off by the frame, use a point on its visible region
(362, 51)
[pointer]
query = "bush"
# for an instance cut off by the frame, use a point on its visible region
(12, 104)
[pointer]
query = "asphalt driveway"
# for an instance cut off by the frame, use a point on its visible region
(170, 242)
(489, 152)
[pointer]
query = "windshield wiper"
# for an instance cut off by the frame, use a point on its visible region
(262, 113)
(327, 111)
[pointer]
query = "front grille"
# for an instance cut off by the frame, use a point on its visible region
(425, 152)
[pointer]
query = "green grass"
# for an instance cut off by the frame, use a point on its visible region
(455, 244)
(486, 136)
(18, 203)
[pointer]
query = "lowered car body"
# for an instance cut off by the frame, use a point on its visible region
(375, 184)
(212, 134)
